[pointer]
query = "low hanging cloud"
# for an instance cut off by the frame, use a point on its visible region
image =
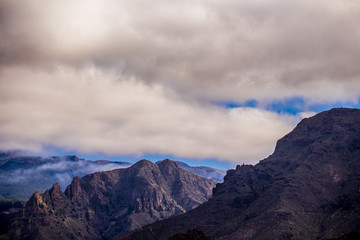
(20, 181)
(139, 77)
(62, 172)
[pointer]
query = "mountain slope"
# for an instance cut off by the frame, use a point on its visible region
(21, 175)
(203, 171)
(105, 204)
(307, 189)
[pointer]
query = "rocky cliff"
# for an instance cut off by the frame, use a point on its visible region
(307, 189)
(105, 204)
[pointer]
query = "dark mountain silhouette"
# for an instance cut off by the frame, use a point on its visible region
(21, 175)
(105, 204)
(309, 188)
(192, 234)
(203, 171)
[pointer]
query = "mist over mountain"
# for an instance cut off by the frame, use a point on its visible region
(22, 175)
(307, 189)
(110, 203)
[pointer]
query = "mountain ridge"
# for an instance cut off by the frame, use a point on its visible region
(21, 175)
(105, 204)
(307, 189)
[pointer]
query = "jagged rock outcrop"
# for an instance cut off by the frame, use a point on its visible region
(307, 189)
(105, 204)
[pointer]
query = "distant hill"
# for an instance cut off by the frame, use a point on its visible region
(203, 171)
(309, 188)
(21, 175)
(110, 203)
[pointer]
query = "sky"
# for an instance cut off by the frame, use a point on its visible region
(210, 82)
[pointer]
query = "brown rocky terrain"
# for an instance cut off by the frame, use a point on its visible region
(309, 188)
(105, 204)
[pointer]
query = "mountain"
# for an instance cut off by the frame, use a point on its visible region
(105, 204)
(203, 171)
(307, 189)
(22, 175)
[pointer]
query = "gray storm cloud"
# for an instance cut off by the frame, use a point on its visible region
(136, 77)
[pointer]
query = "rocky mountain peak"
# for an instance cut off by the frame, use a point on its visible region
(74, 189)
(168, 162)
(75, 192)
(203, 171)
(332, 130)
(35, 199)
(55, 190)
(169, 166)
(142, 163)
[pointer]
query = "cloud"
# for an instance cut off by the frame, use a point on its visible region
(91, 111)
(139, 77)
(226, 50)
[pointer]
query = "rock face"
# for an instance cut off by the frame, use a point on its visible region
(105, 204)
(203, 171)
(309, 188)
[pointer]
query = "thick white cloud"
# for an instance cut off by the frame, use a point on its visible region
(90, 111)
(133, 77)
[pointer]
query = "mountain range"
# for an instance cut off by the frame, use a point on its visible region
(110, 203)
(21, 175)
(307, 189)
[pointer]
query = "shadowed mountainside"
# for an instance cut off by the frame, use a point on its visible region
(105, 204)
(307, 189)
